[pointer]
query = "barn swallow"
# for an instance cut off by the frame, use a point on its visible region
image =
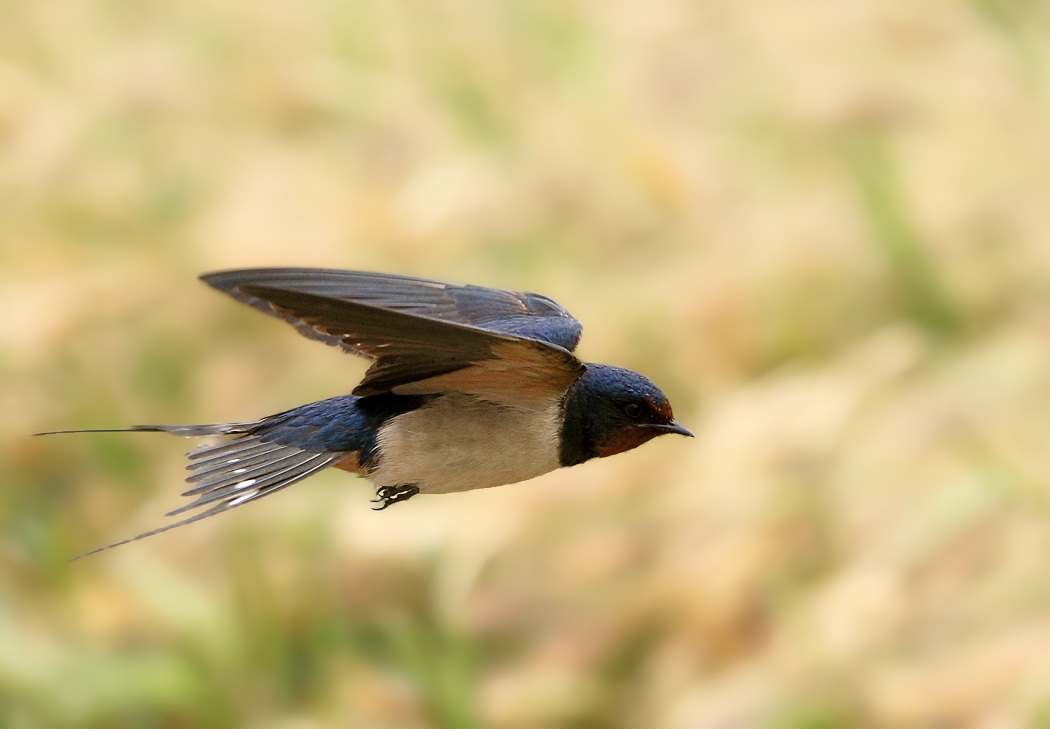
(469, 387)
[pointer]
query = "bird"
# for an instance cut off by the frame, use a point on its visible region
(469, 387)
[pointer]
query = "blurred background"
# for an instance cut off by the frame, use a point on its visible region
(821, 229)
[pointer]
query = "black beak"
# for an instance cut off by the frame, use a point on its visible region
(673, 427)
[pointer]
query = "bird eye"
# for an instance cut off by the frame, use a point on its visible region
(633, 410)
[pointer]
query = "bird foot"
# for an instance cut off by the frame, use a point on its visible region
(387, 495)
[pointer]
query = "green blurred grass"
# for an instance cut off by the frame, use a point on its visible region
(821, 233)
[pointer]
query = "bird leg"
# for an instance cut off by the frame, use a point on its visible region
(387, 495)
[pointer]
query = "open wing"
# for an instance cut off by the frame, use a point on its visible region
(423, 336)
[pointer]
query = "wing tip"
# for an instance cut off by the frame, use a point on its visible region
(230, 279)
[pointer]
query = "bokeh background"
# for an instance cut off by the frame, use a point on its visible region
(820, 227)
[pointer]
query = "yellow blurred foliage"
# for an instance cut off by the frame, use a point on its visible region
(820, 228)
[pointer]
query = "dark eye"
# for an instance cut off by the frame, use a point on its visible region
(633, 410)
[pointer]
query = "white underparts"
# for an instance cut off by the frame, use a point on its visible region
(459, 443)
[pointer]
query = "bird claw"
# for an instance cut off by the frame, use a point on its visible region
(387, 495)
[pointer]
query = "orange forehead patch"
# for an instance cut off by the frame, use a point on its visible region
(664, 408)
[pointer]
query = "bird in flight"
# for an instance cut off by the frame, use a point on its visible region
(469, 388)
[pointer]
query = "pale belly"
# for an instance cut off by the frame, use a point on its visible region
(459, 443)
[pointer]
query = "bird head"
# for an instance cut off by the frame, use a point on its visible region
(609, 410)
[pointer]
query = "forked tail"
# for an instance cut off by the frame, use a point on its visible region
(264, 457)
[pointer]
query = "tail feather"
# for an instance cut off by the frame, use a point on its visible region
(189, 431)
(226, 459)
(205, 471)
(230, 474)
(243, 485)
(212, 452)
